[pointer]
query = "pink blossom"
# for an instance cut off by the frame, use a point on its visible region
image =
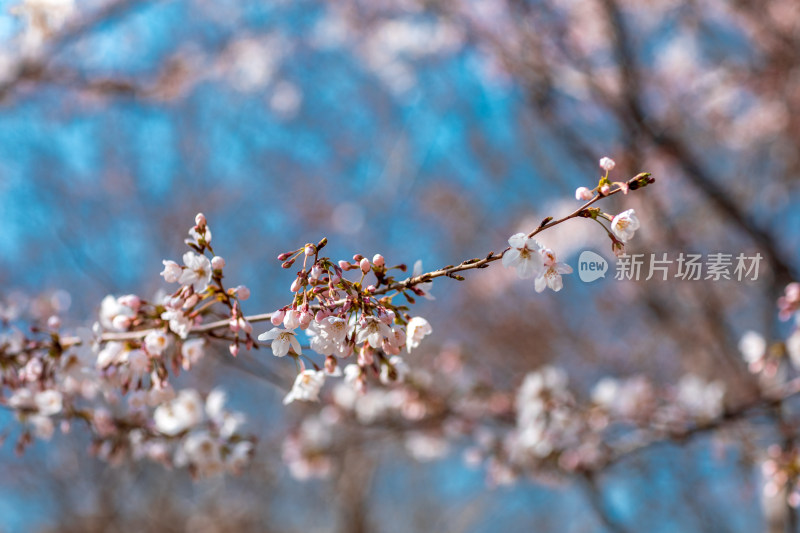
(607, 164)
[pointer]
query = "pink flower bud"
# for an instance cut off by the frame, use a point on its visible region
(378, 260)
(310, 249)
(277, 317)
(130, 300)
(605, 189)
(371, 288)
(217, 263)
(320, 316)
(287, 264)
(582, 193)
(242, 292)
(234, 324)
(54, 322)
(284, 256)
(607, 164)
(297, 284)
(364, 264)
(344, 265)
(357, 258)
(200, 219)
(305, 319)
(191, 301)
(121, 322)
(234, 349)
(316, 272)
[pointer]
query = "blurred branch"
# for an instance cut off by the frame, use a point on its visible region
(769, 399)
(37, 68)
(631, 112)
(595, 497)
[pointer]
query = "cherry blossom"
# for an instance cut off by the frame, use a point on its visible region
(197, 272)
(582, 193)
(523, 255)
(172, 271)
(551, 277)
(192, 351)
(156, 341)
(416, 330)
(180, 414)
(624, 225)
(607, 164)
(115, 315)
(373, 332)
(282, 341)
(306, 387)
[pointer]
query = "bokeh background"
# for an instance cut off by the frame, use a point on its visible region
(426, 130)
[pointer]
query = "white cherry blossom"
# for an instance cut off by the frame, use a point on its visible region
(306, 386)
(180, 414)
(551, 277)
(624, 225)
(416, 330)
(523, 255)
(197, 272)
(282, 340)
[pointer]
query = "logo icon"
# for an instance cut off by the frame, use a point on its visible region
(591, 266)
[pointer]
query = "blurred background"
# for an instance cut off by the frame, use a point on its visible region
(427, 130)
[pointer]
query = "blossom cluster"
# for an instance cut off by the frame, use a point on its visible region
(342, 318)
(532, 260)
(119, 377)
(541, 430)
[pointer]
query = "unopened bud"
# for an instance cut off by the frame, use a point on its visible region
(277, 317)
(242, 292)
(191, 301)
(234, 349)
(217, 263)
(378, 260)
(582, 193)
(130, 300)
(364, 264)
(310, 249)
(297, 284)
(200, 219)
(287, 264)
